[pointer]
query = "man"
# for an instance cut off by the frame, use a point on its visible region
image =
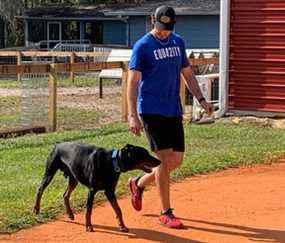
(157, 61)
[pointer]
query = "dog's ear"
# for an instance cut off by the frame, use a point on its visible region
(129, 150)
(128, 146)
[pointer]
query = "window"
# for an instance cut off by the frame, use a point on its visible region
(37, 31)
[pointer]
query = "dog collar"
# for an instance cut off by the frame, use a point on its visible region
(115, 161)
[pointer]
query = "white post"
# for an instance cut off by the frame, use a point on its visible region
(128, 33)
(224, 57)
(26, 33)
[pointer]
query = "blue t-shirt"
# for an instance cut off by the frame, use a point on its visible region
(160, 62)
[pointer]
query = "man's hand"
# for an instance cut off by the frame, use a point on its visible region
(208, 107)
(135, 125)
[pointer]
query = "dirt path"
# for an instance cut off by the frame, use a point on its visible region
(239, 205)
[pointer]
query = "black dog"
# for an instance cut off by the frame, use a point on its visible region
(96, 168)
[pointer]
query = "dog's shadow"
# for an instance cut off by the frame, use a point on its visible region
(139, 233)
(252, 233)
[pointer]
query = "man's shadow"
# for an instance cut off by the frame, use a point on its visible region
(138, 233)
(252, 233)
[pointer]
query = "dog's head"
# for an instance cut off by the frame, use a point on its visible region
(137, 158)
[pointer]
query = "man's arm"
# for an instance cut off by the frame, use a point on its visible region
(132, 94)
(194, 88)
(192, 83)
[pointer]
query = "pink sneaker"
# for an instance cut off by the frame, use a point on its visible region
(169, 220)
(136, 193)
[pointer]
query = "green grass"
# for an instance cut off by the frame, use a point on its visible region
(9, 105)
(76, 118)
(68, 118)
(79, 81)
(9, 84)
(208, 148)
(9, 112)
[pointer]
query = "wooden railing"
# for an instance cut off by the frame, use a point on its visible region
(18, 55)
(48, 54)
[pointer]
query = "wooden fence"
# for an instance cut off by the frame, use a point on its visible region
(18, 56)
(55, 68)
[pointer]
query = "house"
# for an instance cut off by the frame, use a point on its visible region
(252, 62)
(2, 33)
(197, 23)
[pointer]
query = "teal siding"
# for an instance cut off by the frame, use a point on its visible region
(115, 32)
(199, 31)
(137, 28)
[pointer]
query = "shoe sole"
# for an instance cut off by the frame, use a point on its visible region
(167, 226)
(132, 192)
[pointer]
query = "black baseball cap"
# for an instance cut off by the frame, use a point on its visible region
(164, 18)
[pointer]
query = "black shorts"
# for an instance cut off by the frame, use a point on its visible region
(164, 132)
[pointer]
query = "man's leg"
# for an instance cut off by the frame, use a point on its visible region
(162, 177)
(170, 161)
(174, 161)
(137, 184)
(166, 137)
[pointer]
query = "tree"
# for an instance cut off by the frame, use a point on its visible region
(8, 10)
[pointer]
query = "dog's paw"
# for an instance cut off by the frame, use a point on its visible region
(89, 228)
(124, 229)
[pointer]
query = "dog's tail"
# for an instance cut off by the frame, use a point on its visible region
(52, 158)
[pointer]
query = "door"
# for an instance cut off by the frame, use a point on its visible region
(2, 34)
(53, 34)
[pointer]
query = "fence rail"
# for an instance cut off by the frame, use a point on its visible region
(48, 53)
(48, 57)
(57, 67)
(78, 67)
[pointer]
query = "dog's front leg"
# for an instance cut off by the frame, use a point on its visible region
(110, 194)
(89, 206)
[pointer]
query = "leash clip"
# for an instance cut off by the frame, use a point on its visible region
(117, 169)
(115, 161)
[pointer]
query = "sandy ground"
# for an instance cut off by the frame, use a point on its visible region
(237, 205)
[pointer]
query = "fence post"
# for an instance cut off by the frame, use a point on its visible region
(72, 60)
(101, 88)
(210, 84)
(19, 62)
(52, 83)
(124, 91)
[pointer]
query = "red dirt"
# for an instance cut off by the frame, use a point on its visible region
(237, 205)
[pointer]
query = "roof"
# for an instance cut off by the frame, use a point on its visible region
(58, 11)
(103, 11)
